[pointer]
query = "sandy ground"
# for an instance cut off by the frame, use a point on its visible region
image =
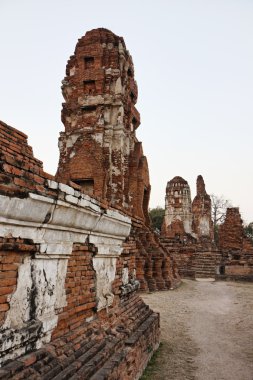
(206, 332)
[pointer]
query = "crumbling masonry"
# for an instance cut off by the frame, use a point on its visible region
(99, 150)
(187, 230)
(75, 248)
(236, 249)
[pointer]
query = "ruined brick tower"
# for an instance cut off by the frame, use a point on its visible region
(201, 209)
(182, 216)
(178, 208)
(235, 247)
(187, 230)
(231, 233)
(99, 150)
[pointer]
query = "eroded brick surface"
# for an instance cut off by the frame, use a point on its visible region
(236, 249)
(201, 210)
(116, 343)
(99, 149)
(12, 254)
(231, 231)
(178, 210)
(20, 172)
(100, 121)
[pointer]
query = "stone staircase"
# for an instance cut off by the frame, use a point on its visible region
(204, 265)
(194, 259)
(90, 352)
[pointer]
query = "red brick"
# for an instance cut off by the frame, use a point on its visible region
(6, 290)
(7, 282)
(4, 307)
(9, 267)
(28, 360)
(3, 299)
(8, 274)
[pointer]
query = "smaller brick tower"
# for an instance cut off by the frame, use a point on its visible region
(231, 231)
(201, 209)
(235, 247)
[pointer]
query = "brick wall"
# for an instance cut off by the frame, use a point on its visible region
(20, 172)
(80, 290)
(12, 254)
(117, 340)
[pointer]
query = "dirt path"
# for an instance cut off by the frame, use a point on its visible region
(206, 332)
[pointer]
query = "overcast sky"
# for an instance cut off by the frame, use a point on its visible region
(193, 65)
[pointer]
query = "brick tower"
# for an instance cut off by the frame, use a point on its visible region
(99, 150)
(178, 209)
(201, 209)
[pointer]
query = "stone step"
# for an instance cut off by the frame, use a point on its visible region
(97, 362)
(109, 369)
(85, 362)
(204, 271)
(201, 265)
(205, 259)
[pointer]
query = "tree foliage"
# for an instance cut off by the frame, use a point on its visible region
(156, 215)
(248, 230)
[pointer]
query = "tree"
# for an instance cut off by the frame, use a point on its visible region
(248, 230)
(219, 208)
(156, 216)
(218, 213)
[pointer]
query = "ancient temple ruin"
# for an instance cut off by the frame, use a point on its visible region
(187, 230)
(99, 150)
(178, 208)
(184, 218)
(236, 249)
(76, 247)
(202, 225)
(188, 234)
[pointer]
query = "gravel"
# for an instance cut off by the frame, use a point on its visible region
(206, 332)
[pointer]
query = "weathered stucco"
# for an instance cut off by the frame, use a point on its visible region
(54, 225)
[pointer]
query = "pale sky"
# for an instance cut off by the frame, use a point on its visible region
(193, 65)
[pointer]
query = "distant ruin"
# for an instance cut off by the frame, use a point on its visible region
(178, 209)
(76, 247)
(201, 210)
(236, 249)
(187, 230)
(188, 234)
(182, 216)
